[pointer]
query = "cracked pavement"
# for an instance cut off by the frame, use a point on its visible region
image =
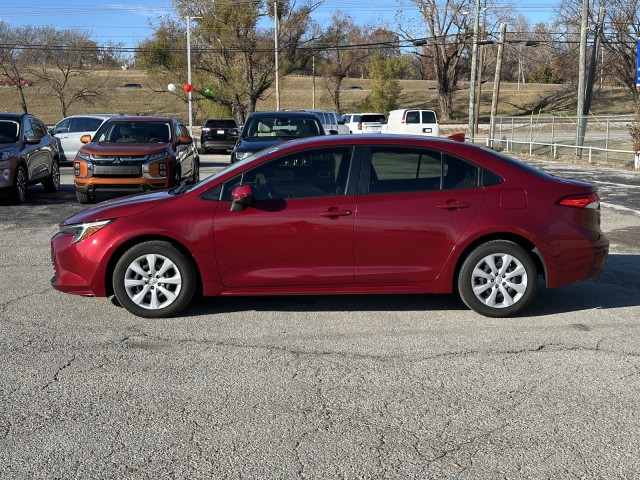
(350, 387)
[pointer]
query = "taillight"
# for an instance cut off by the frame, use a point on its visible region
(587, 200)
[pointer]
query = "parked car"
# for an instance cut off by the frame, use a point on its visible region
(412, 122)
(70, 130)
(219, 134)
(28, 155)
(266, 129)
(331, 122)
(135, 154)
(364, 122)
(130, 85)
(341, 214)
(8, 81)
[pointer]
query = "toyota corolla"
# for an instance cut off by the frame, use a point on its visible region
(341, 214)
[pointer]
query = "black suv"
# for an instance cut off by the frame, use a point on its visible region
(219, 134)
(28, 155)
(266, 129)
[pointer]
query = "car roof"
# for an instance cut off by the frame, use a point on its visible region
(95, 115)
(140, 118)
(284, 114)
(13, 115)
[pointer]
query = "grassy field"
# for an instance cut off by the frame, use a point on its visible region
(297, 92)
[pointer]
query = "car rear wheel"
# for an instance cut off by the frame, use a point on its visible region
(19, 188)
(154, 280)
(85, 198)
(52, 184)
(498, 279)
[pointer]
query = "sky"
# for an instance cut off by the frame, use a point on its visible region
(129, 22)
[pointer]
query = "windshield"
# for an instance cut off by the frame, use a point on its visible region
(134, 132)
(9, 131)
(267, 128)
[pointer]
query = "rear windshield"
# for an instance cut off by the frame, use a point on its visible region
(220, 124)
(9, 131)
(372, 118)
(133, 132)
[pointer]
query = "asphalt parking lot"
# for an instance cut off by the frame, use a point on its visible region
(319, 387)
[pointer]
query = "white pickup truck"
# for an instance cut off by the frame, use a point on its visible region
(412, 122)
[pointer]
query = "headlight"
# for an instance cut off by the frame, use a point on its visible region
(83, 155)
(157, 156)
(243, 155)
(80, 231)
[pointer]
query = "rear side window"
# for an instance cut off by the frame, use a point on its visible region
(396, 170)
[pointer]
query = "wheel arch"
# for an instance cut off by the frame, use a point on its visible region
(121, 249)
(520, 240)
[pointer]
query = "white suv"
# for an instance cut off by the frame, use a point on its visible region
(363, 122)
(331, 121)
(69, 130)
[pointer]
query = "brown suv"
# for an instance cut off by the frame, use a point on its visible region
(135, 154)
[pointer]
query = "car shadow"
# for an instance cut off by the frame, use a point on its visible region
(615, 287)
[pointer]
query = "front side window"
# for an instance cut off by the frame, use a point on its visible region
(395, 170)
(307, 174)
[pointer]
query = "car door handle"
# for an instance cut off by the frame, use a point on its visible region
(334, 212)
(454, 205)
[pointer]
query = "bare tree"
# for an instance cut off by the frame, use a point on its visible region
(622, 29)
(11, 61)
(232, 59)
(62, 60)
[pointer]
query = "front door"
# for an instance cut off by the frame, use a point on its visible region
(299, 228)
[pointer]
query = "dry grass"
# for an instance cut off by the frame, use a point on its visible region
(297, 92)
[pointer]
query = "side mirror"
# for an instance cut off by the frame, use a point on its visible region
(32, 140)
(242, 197)
(185, 139)
(85, 138)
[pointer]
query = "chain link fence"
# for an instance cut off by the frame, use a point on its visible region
(606, 141)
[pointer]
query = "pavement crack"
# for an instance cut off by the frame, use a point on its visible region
(56, 376)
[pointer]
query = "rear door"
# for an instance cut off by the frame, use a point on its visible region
(415, 205)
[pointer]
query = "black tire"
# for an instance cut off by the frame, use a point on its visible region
(518, 279)
(177, 175)
(18, 193)
(52, 184)
(195, 178)
(85, 198)
(163, 296)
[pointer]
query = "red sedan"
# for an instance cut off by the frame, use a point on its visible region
(341, 214)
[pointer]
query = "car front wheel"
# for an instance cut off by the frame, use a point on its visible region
(19, 188)
(154, 280)
(498, 279)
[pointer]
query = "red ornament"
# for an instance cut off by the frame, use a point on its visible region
(187, 87)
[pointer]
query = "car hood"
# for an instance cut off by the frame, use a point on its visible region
(124, 148)
(120, 207)
(257, 145)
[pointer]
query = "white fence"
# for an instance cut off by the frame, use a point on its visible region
(607, 139)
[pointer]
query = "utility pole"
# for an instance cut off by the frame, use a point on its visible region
(474, 71)
(591, 75)
(496, 84)
(582, 64)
